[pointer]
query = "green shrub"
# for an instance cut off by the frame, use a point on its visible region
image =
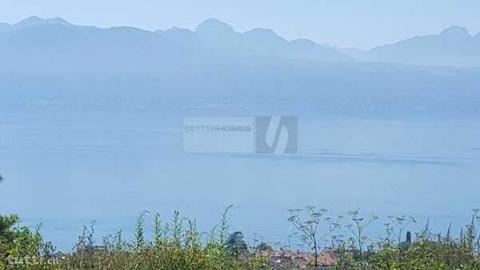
(178, 245)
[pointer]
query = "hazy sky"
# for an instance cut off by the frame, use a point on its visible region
(358, 23)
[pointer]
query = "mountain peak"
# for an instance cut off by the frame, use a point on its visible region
(215, 26)
(263, 31)
(34, 21)
(57, 20)
(457, 31)
(264, 35)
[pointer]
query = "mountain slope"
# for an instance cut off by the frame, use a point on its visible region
(218, 38)
(38, 46)
(5, 27)
(58, 42)
(453, 47)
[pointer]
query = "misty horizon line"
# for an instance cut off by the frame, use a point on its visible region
(61, 20)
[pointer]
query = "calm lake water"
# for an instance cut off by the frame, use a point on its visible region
(64, 171)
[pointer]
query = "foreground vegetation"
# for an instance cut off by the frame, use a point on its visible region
(178, 245)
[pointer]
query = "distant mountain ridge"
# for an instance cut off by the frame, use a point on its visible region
(32, 22)
(214, 40)
(212, 37)
(220, 37)
(85, 65)
(454, 46)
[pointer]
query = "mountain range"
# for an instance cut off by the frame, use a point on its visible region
(47, 62)
(214, 39)
(452, 47)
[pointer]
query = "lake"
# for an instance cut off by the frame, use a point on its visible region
(64, 170)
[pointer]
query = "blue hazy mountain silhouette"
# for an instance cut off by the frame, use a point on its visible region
(213, 28)
(211, 36)
(37, 45)
(53, 58)
(214, 39)
(35, 21)
(452, 47)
